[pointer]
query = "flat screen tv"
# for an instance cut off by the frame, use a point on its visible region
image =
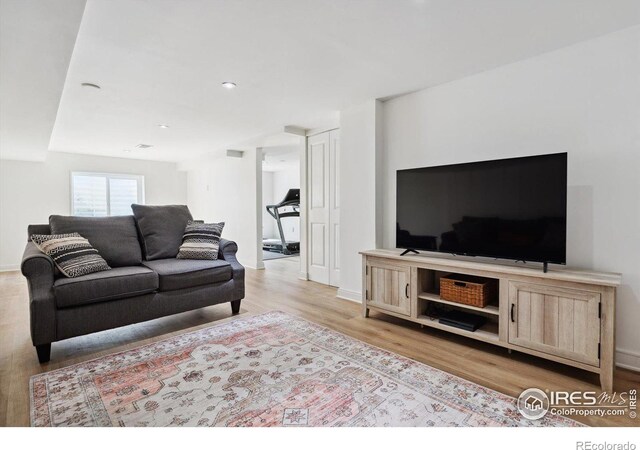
(509, 208)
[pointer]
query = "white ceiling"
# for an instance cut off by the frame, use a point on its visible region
(296, 62)
(276, 159)
(36, 43)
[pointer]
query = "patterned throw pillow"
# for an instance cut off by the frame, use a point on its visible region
(200, 240)
(71, 253)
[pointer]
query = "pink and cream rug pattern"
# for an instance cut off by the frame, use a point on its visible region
(267, 370)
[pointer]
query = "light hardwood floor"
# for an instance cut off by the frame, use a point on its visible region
(277, 288)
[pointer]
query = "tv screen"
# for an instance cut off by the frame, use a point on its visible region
(510, 208)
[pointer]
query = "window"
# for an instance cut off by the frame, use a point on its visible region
(105, 194)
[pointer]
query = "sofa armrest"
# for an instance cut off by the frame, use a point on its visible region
(227, 251)
(39, 270)
(227, 248)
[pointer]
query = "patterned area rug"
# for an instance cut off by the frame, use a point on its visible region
(266, 370)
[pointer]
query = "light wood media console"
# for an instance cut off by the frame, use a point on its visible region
(567, 316)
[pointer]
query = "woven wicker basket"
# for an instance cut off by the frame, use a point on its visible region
(468, 290)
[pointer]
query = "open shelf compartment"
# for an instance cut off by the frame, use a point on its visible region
(489, 309)
(487, 332)
(429, 301)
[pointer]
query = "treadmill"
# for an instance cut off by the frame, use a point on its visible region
(291, 200)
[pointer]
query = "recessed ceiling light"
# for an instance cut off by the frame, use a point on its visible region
(163, 126)
(127, 150)
(144, 146)
(91, 85)
(229, 85)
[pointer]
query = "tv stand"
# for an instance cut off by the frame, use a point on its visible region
(409, 250)
(564, 315)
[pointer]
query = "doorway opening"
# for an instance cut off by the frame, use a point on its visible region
(281, 207)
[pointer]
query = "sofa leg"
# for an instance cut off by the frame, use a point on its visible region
(235, 306)
(44, 353)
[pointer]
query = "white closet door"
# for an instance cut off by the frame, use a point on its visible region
(318, 201)
(334, 207)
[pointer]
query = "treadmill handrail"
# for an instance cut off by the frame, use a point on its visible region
(271, 209)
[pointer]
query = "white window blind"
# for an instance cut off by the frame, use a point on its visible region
(103, 194)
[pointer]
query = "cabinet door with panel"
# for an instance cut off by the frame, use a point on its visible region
(388, 287)
(559, 321)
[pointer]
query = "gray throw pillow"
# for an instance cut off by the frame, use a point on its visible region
(161, 229)
(115, 237)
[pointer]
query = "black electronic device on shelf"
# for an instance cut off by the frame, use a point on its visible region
(463, 320)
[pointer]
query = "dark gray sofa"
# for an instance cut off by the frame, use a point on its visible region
(134, 290)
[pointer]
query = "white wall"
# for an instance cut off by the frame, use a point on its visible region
(583, 99)
(31, 191)
(268, 224)
(360, 141)
(224, 189)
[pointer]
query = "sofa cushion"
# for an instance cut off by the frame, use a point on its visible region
(115, 237)
(113, 284)
(185, 273)
(161, 228)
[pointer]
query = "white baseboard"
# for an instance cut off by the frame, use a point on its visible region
(303, 276)
(349, 295)
(254, 266)
(9, 268)
(627, 359)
